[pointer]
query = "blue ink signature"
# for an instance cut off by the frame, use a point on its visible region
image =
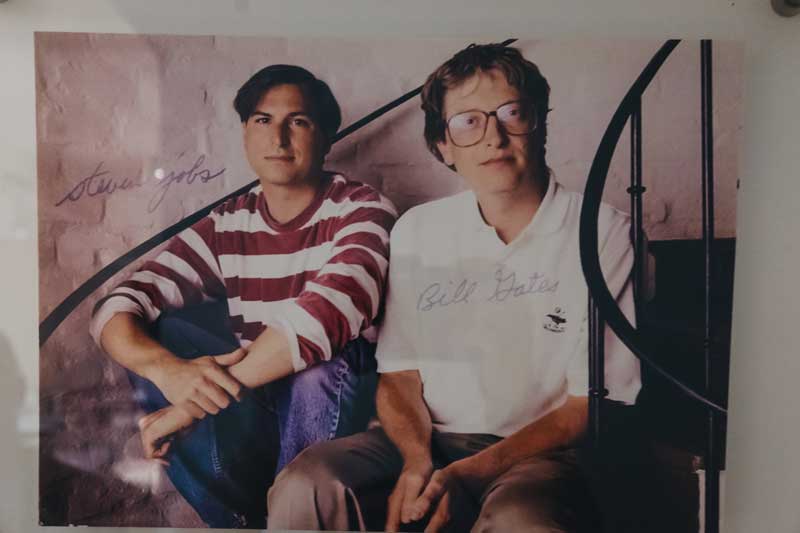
(507, 286)
(436, 294)
(99, 183)
(186, 176)
(96, 184)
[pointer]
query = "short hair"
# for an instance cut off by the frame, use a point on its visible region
(325, 107)
(520, 73)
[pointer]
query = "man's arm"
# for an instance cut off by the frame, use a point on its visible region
(404, 415)
(345, 295)
(185, 273)
(407, 422)
(267, 359)
(401, 408)
(199, 385)
(335, 306)
(342, 299)
(562, 427)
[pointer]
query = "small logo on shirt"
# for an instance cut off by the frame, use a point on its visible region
(555, 321)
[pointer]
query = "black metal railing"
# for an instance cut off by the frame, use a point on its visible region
(712, 487)
(603, 307)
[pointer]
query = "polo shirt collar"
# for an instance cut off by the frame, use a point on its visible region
(549, 218)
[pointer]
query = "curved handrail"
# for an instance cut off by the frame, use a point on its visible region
(590, 259)
(63, 310)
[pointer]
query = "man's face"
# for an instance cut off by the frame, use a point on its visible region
(500, 162)
(284, 144)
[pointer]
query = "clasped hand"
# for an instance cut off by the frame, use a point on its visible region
(202, 385)
(444, 490)
(194, 387)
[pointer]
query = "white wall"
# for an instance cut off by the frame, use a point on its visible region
(763, 472)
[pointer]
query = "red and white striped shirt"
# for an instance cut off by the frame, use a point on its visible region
(319, 278)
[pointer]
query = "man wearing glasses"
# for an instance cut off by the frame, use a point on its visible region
(483, 356)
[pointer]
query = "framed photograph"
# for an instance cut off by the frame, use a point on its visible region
(144, 142)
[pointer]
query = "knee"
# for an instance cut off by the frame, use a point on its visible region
(171, 332)
(193, 331)
(307, 477)
(517, 514)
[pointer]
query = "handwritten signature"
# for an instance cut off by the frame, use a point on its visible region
(506, 285)
(437, 294)
(95, 184)
(185, 176)
(100, 183)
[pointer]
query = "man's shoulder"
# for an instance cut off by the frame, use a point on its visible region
(247, 201)
(609, 217)
(613, 228)
(345, 194)
(342, 187)
(613, 224)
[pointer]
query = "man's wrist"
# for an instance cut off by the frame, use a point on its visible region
(157, 364)
(475, 470)
(418, 461)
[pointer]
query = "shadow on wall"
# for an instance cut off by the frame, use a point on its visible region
(98, 476)
(18, 459)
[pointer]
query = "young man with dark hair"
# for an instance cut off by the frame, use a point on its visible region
(482, 354)
(297, 267)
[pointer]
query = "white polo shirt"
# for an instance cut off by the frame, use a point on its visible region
(498, 331)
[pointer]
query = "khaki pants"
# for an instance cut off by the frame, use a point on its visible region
(325, 487)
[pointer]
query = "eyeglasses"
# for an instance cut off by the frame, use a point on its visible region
(469, 128)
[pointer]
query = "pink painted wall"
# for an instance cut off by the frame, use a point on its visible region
(128, 105)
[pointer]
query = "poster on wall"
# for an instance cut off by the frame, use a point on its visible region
(341, 284)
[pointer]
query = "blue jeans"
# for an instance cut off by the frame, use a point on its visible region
(226, 463)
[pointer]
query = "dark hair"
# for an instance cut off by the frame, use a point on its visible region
(325, 107)
(519, 72)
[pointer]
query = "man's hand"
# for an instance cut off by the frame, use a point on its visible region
(158, 428)
(200, 386)
(446, 489)
(408, 487)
